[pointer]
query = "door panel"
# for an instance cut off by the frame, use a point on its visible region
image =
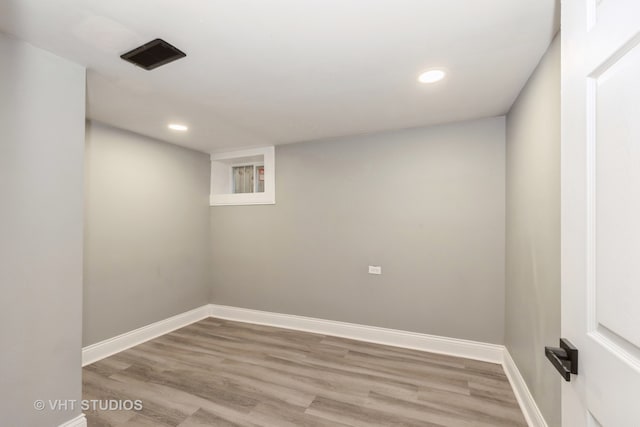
(617, 201)
(601, 210)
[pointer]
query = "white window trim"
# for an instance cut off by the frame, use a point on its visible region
(268, 197)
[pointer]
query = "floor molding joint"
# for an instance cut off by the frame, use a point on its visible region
(528, 405)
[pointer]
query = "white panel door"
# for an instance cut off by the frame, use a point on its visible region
(601, 210)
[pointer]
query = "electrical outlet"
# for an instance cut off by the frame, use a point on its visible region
(375, 269)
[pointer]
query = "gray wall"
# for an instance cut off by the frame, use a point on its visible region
(146, 234)
(41, 146)
(533, 232)
(425, 204)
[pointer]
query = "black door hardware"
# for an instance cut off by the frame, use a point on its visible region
(564, 358)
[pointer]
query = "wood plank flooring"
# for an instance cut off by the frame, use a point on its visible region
(223, 373)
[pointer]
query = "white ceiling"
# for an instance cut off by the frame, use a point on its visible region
(278, 71)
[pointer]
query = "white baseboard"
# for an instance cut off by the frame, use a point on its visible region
(106, 348)
(79, 421)
(435, 344)
(528, 405)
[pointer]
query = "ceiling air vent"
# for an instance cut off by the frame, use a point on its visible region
(153, 54)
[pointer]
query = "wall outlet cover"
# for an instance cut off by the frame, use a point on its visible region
(375, 269)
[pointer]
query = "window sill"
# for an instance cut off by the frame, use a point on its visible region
(241, 199)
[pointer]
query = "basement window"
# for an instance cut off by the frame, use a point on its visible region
(248, 179)
(244, 177)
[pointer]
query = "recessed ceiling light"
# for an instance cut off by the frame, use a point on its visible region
(431, 76)
(175, 126)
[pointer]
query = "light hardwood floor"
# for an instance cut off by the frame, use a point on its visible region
(223, 373)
